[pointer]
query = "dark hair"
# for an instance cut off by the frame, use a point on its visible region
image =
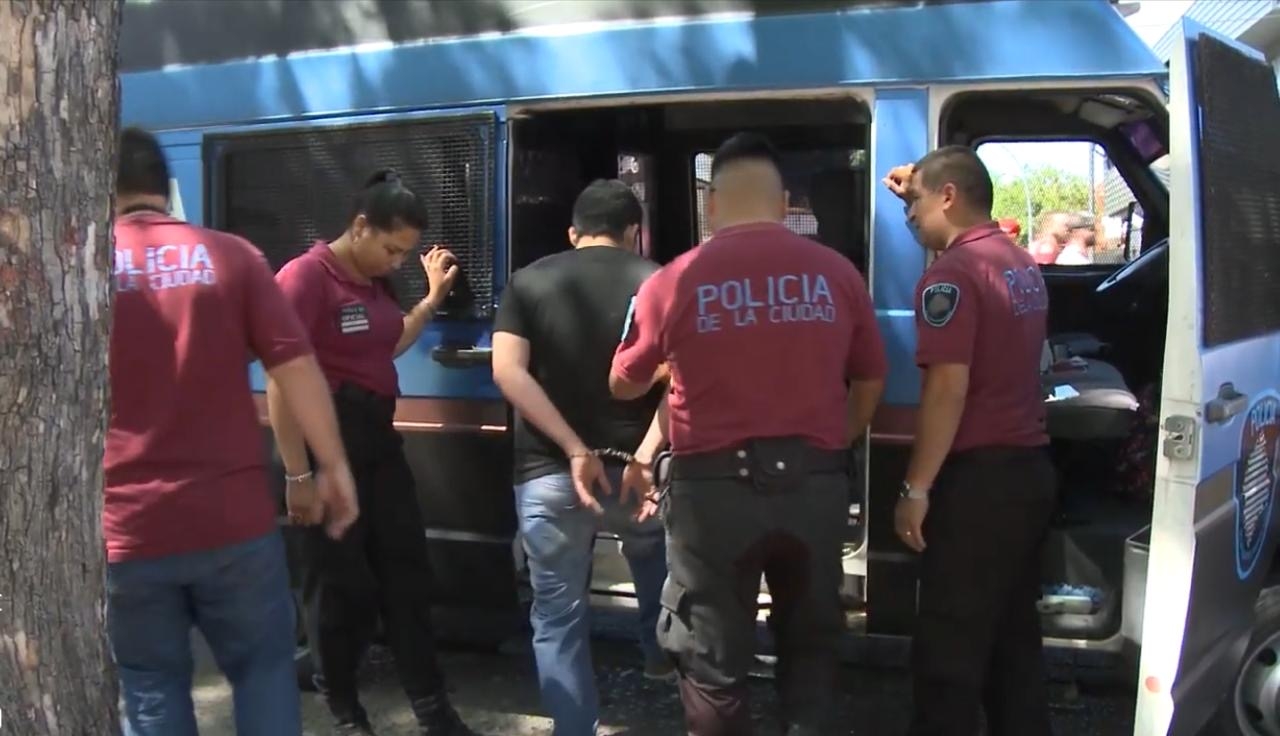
(140, 166)
(960, 167)
(606, 207)
(387, 204)
(744, 147)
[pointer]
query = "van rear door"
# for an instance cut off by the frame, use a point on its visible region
(1213, 531)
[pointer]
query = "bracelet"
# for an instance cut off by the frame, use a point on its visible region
(299, 478)
(908, 491)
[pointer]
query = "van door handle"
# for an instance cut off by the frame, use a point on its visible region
(459, 356)
(1229, 403)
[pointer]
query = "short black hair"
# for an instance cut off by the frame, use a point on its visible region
(960, 167)
(141, 167)
(388, 204)
(606, 207)
(745, 147)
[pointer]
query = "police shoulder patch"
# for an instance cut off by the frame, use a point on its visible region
(938, 303)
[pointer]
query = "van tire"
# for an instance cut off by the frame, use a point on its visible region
(1266, 629)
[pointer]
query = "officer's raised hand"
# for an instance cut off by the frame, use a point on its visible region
(587, 471)
(898, 180)
(441, 268)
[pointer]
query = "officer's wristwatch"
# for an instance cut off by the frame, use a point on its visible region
(908, 492)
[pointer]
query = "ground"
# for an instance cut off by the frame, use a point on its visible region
(497, 695)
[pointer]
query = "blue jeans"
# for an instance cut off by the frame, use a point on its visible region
(238, 596)
(558, 535)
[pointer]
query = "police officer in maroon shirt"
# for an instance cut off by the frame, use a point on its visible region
(775, 365)
(979, 491)
(187, 517)
(342, 295)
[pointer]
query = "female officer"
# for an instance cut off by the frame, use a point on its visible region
(343, 297)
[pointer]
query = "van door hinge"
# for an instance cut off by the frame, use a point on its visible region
(1180, 440)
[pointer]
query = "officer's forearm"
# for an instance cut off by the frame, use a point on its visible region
(414, 323)
(524, 393)
(289, 442)
(656, 437)
(864, 396)
(302, 415)
(941, 406)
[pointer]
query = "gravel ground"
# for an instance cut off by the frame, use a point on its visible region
(497, 695)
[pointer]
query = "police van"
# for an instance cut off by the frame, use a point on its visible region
(1162, 372)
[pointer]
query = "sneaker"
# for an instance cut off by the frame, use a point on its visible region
(438, 718)
(353, 728)
(348, 721)
(660, 668)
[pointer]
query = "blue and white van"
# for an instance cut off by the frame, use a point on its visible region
(1162, 376)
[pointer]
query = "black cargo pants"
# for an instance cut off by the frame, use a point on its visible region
(775, 506)
(978, 642)
(379, 566)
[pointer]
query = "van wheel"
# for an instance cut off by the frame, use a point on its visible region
(1252, 707)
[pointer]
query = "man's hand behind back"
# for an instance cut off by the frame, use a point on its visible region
(587, 472)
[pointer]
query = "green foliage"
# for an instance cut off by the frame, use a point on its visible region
(1050, 188)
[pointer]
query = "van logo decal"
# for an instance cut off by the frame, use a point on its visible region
(1256, 478)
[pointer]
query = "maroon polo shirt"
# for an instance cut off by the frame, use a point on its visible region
(353, 325)
(185, 470)
(983, 303)
(762, 330)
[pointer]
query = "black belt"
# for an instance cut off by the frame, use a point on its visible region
(767, 457)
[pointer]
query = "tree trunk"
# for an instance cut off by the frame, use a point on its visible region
(59, 107)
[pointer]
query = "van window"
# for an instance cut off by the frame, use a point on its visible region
(1044, 187)
(828, 197)
(284, 189)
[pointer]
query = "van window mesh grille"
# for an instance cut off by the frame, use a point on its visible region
(1239, 192)
(284, 190)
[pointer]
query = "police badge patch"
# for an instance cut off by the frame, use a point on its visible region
(938, 303)
(1257, 476)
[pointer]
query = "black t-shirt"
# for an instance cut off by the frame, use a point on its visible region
(572, 308)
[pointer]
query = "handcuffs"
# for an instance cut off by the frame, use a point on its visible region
(660, 467)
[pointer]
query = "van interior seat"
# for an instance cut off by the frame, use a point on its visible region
(1082, 344)
(1086, 399)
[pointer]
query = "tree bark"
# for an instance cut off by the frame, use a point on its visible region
(59, 107)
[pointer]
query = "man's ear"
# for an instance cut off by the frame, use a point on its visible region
(573, 236)
(948, 193)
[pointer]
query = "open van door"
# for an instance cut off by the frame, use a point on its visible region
(1213, 531)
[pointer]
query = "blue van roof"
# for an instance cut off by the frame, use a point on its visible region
(881, 46)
